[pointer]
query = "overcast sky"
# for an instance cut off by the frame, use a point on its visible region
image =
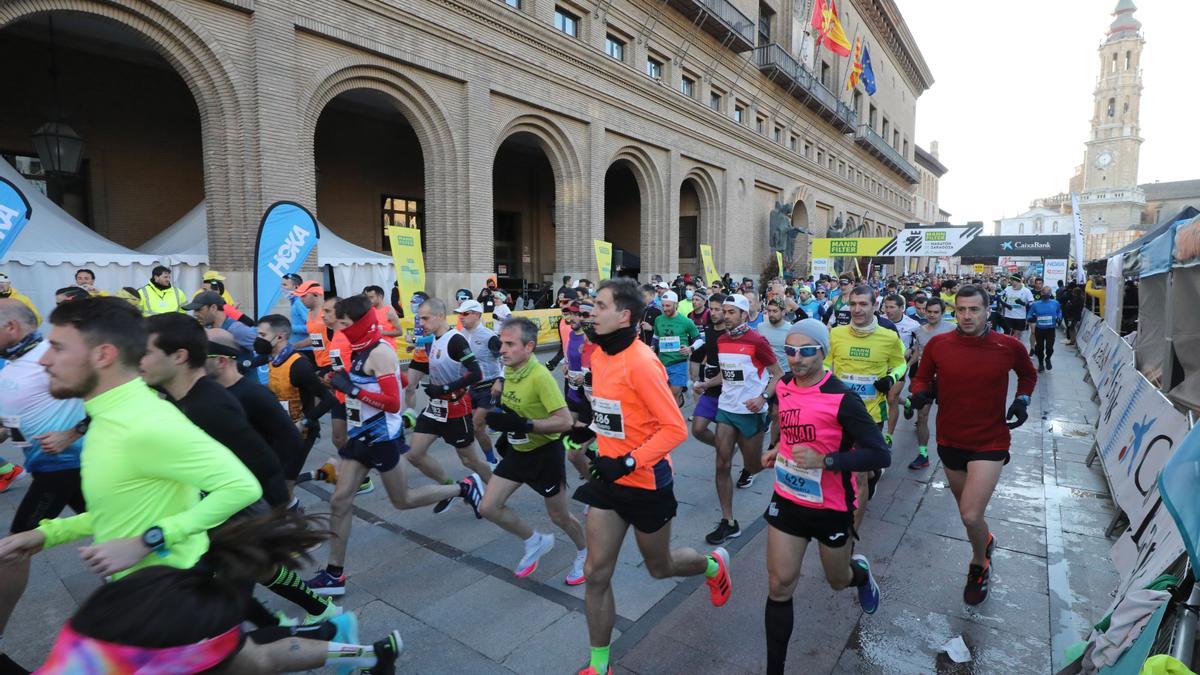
(1011, 102)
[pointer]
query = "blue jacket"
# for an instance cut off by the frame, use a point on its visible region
(1047, 313)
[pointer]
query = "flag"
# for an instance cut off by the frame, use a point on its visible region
(868, 73)
(1077, 237)
(829, 29)
(856, 65)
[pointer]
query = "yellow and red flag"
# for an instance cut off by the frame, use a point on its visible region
(856, 65)
(829, 29)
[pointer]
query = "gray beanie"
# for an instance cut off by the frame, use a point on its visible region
(813, 329)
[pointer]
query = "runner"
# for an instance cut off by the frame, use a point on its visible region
(532, 418)
(1045, 313)
(453, 368)
(48, 431)
(704, 370)
(869, 359)
(636, 425)
(371, 384)
(653, 310)
(970, 367)
(389, 320)
(935, 324)
(674, 334)
(339, 356)
(1015, 301)
(577, 377)
(749, 373)
(823, 435)
(893, 309)
(485, 345)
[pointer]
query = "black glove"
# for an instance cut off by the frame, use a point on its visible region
(609, 469)
(507, 420)
(580, 435)
(435, 390)
(340, 381)
(884, 384)
(312, 428)
(916, 402)
(553, 363)
(1017, 410)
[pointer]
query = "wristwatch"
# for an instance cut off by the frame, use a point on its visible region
(1024, 399)
(83, 425)
(154, 540)
(828, 462)
(630, 462)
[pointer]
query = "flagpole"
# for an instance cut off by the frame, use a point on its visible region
(853, 46)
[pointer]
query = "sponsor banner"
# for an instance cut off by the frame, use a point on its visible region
(1148, 548)
(851, 246)
(604, 258)
(977, 268)
(409, 260)
(1056, 271)
(710, 268)
(1077, 238)
(546, 321)
(286, 236)
(821, 266)
(15, 212)
(1032, 245)
(779, 262)
(934, 241)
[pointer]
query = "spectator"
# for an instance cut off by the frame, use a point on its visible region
(7, 291)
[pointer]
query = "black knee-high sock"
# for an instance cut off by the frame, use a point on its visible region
(778, 619)
(289, 586)
(259, 615)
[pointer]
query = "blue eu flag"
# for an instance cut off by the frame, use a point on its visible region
(868, 73)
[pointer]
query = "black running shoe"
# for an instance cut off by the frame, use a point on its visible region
(745, 480)
(1049, 366)
(976, 590)
(725, 531)
(387, 651)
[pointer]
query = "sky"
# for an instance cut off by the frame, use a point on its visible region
(1011, 102)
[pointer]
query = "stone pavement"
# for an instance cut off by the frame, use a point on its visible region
(446, 581)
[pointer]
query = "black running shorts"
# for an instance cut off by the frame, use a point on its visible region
(646, 510)
(48, 494)
(457, 431)
(831, 528)
(382, 456)
(543, 468)
(956, 459)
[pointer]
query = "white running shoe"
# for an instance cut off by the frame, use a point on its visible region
(575, 576)
(529, 561)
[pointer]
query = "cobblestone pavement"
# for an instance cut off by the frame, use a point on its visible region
(446, 581)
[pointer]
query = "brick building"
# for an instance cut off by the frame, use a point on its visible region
(513, 132)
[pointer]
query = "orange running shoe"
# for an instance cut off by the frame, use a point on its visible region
(592, 671)
(720, 586)
(7, 479)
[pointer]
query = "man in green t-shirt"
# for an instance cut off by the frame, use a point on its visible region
(674, 334)
(532, 419)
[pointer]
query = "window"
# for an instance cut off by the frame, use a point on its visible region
(825, 73)
(807, 149)
(515, 4)
(1113, 66)
(857, 105)
(402, 212)
(1020, 228)
(765, 14)
(1112, 107)
(614, 47)
(566, 22)
(739, 113)
(896, 140)
(1125, 108)
(887, 127)
(906, 149)
(777, 135)
(687, 86)
(714, 101)
(1128, 59)
(871, 117)
(760, 125)
(820, 156)
(792, 143)
(654, 67)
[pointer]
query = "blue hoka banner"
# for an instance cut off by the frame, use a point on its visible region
(286, 236)
(15, 212)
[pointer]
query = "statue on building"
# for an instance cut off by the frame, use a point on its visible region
(783, 232)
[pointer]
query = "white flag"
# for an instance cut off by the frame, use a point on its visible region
(1077, 227)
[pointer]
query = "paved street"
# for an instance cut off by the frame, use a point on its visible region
(446, 581)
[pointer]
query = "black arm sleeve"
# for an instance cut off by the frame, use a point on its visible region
(460, 350)
(315, 397)
(494, 345)
(272, 423)
(869, 451)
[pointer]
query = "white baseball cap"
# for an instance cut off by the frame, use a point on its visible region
(469, 306)
(661, 284)
(670, 296)
(738, 301)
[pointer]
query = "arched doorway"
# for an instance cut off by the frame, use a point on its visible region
(623, 209)
(523, 213)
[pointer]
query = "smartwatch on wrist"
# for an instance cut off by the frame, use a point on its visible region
(83, 425)
(828, 461)
(1024, 399)
(154, 540)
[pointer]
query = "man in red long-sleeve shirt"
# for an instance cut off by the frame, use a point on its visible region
(966, 372)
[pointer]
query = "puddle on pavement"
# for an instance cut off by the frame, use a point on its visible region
(1069, 429)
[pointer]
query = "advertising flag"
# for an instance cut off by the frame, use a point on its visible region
(409, 260)
(286, 236)
(779, 261)
(868, 73)
(1077, 233)
(829, 28)
(15, 212)
(710, 268)
(603, 258)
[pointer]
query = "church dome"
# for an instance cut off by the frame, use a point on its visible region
(1124, 24)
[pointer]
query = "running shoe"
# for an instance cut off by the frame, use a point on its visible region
(529, 561)
(367, 487)
(991, 546)
(576, 576)
(7, 479)
(347, 634)
(976, 590)
(441, 506)
(1049, 366)
(325, 583)
(387, 651)
(868, 593)
(592, 671)
(873, 482)
(725, 531)
(745, 480)
(908, 409)
(921, 462)
(473, 492)
(720, 585)
(331, 611)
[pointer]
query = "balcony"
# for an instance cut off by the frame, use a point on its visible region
(774, 62)
(720, 19)
(866, 137)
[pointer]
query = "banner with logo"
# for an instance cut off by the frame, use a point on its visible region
(933, 241)
(1030, 245)
(1056, 271)
(977, 268)
(286, 236)
(779, 262)
(15, 212)
(821, 266)
(710, 268)
(603, 258)
(409, 261)
(848, 247)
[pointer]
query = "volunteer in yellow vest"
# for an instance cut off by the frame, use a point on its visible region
(7, 291)
(159, 296)
(294, 381)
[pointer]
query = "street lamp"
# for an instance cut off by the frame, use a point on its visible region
(56, 143)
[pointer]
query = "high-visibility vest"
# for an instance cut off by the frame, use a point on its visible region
(155, 301)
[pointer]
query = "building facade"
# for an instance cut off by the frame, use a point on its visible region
(512, 132)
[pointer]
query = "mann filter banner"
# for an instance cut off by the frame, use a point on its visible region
(710, 268)
(15, 212)
(849, 247)
(933, 241)
(409, 260)
(286, 236)
(603, 258)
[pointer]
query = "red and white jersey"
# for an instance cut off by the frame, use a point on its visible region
(744, 361)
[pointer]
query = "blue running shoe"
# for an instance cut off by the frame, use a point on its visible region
(868, 593)
(327, 584)
(347, 634)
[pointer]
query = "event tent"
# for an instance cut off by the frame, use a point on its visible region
(52, 245)
(352, 267)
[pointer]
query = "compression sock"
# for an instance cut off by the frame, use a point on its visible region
(713, 567)
(335, 570)
(859, 576)
(600, 659)
(8, 466)
(356, 656)
(259, 616)
(778, 620)
(289, 586)
(489, 455)
(924, 450)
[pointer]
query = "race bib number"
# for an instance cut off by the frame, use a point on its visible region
(353, 412)
(335, 357)
(438, 410)
(317, 340)
(802, 484)
(516, 438)
(13, 424)
(668, 343)
(863, 385)
(732, 373)
(1045, 321)
(607, 419)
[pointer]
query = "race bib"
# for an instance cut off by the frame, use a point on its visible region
(802, 484)
(607, 419)
(13, 424)
(335, 357)
(1045, 321)
(732, 373)
(863, 385)
(516, 438)
(353, 412)
(668, 343)
(438, 410)
(317, 340)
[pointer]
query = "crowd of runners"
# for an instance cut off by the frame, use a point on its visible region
(128, 411)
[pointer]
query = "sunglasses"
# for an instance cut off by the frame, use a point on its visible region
(806, 351)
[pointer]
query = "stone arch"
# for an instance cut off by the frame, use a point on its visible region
(198, 58)
(431, 126)
(654, 236)
(710, 202)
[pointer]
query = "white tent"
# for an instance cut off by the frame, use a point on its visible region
(353, 267)
(53, 245)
